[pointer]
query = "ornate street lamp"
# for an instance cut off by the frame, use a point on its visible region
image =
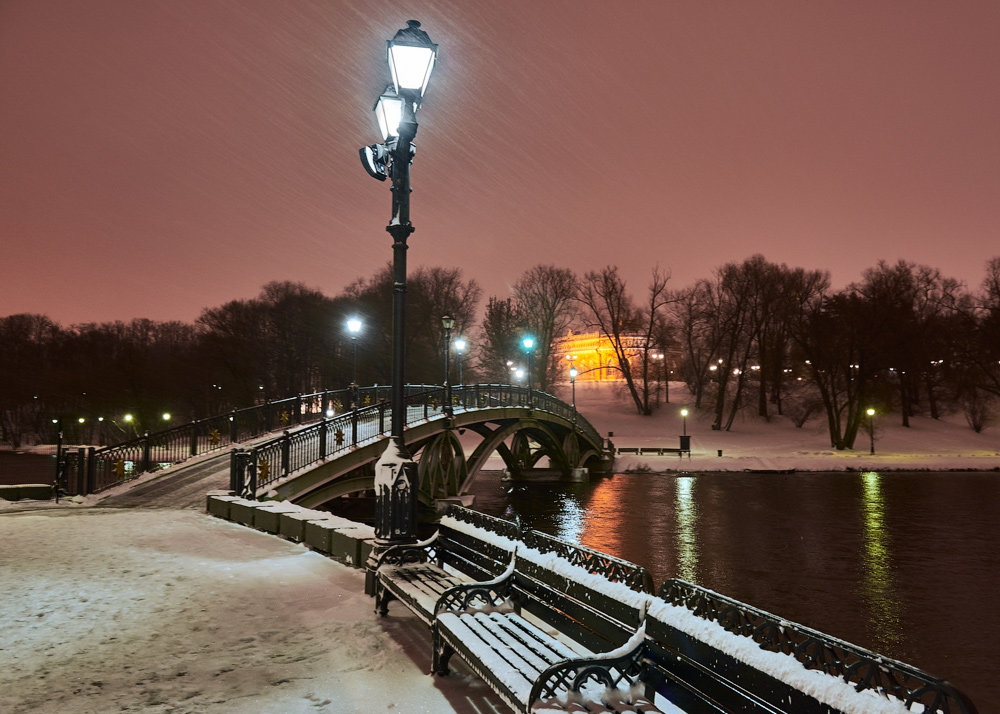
(460, 345)
(411, 56)
(447, 322)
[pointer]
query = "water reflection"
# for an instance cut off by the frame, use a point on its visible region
(686, 540)
(569, 518)
(902, 563)
(878, 582)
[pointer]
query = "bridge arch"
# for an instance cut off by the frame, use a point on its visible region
(522, 428)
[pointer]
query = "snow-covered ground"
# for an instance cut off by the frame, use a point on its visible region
(752, 443)
(160, 610)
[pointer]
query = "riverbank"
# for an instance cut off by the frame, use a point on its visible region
(946, 444)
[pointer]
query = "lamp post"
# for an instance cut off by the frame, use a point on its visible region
(871, 429)
(529, 343)
(411, 55)
(572, 382)
(447, 322)
(684, 422)
(460, 345)
(354, 328)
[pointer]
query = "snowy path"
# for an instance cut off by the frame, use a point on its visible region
(182, 486)
(174, 611)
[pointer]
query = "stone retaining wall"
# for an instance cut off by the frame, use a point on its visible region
(346, 541)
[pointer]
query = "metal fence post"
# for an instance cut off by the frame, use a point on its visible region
(322, 436)
(267, 416)
(194, 438)
(89, 484)
(354, 426)
(146, 453)
(234, 433)
(298, 408)
(286, 444)
(381, 417)
(236, 471)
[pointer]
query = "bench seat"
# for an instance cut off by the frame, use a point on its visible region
(418, 586)
(467, 547)
(548, 635)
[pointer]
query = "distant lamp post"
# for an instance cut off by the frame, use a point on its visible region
(529, 346)
(684, 422)
(166, 416)
(572, 382)
(447, 322)
(354, 326)
(871, 429)
(411, 56)
(460, 345)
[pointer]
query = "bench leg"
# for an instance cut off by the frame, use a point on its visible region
(442, 653)
(382, 598)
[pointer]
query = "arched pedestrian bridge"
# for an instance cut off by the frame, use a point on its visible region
(528, 430)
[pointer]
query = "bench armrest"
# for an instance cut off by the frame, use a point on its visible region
(621, 666)
(487, 593)
(419, 552)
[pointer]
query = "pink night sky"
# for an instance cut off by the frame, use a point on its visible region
(163, 156)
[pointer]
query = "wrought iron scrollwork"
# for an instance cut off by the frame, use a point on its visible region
(407, 553)
(865, 670)
(566, 679)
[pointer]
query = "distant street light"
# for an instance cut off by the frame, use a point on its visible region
(354, 328)
(529, 346)
(460, 345)
(411, 56)
(871, 429)
(684, 422)
(166, 416)
(572, 381)
(447, 322)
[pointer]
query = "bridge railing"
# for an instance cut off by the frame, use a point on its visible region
(90, 469)
(262, 465)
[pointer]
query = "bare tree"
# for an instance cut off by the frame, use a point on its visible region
(545, 297)
(610, 309)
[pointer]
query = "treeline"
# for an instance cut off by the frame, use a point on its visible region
(755, 335)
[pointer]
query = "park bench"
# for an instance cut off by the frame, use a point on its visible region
(560, 630)
(468, 546)
(706, 652)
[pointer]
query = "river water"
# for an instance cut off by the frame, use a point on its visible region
(905, 564)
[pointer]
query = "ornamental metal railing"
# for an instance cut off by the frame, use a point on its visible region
(87, 470)
(865, 670)
(260, 466)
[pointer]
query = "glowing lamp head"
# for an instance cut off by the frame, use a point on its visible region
(354, 326)
(528, 342)
(684, 412)
(460, 345)
(411, 56)
(870, 412)
(389, 112)
(573, 373)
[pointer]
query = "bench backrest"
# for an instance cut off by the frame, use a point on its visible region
(475, 544)
(585, 606)
(691, 641)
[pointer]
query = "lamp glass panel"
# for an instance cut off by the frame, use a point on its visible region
(389, 111)
(410, 66)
